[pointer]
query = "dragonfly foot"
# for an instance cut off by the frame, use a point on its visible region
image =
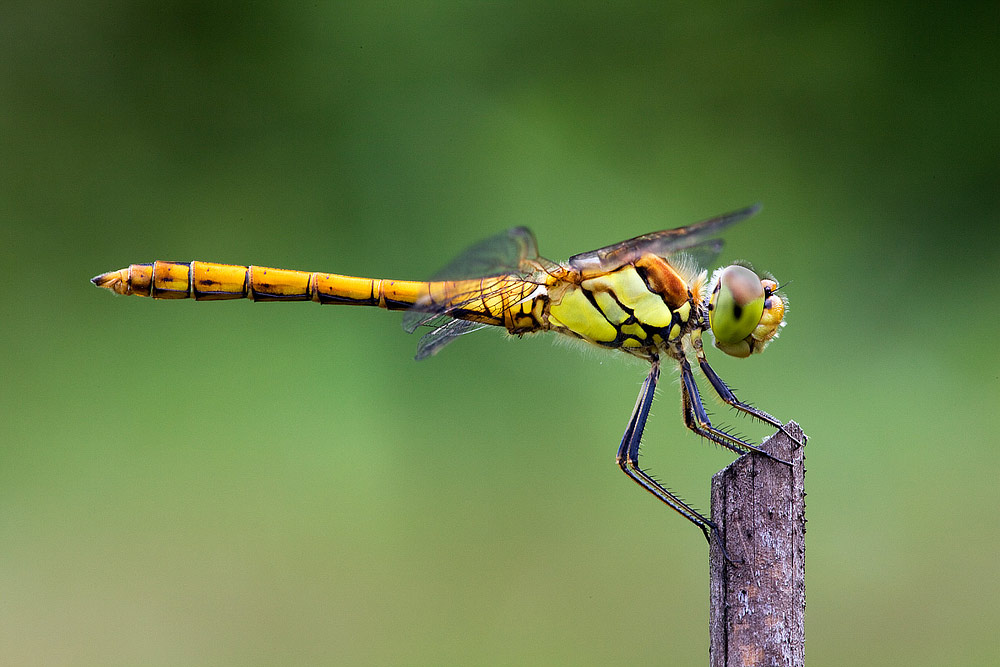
(798, 443)
(711, 529)
(772, 457)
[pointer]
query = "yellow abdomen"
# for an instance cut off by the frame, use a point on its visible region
(487, 300)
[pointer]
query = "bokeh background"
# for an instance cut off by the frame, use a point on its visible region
(236, 483)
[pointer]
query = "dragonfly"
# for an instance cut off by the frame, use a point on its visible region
(646, 297)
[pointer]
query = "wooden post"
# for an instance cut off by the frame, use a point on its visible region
(758, 606)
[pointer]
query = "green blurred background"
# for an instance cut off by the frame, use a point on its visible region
(231, 483)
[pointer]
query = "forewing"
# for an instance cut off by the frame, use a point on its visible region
(704, 253)
(695, 240)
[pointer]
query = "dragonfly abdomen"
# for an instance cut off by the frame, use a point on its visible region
(484, 300)
(208, 281)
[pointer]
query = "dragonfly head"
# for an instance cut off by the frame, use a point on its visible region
(744, 311)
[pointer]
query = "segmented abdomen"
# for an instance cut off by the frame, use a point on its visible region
(497, 300)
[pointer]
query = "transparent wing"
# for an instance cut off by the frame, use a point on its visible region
(435, 339)
(704, 253)
(507, 252)
(497, 255)
(695, 240)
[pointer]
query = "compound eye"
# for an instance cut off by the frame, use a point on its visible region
(737, 304)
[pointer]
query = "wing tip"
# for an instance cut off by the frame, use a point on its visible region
(746, 212)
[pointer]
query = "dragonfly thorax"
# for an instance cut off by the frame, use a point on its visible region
(641, 307)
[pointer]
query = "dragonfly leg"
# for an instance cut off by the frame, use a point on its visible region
(628, 461)
(727, 395)
(696, 418)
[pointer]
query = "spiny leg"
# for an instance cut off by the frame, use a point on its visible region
(727, 395)
(628, 461)
(696, 418)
